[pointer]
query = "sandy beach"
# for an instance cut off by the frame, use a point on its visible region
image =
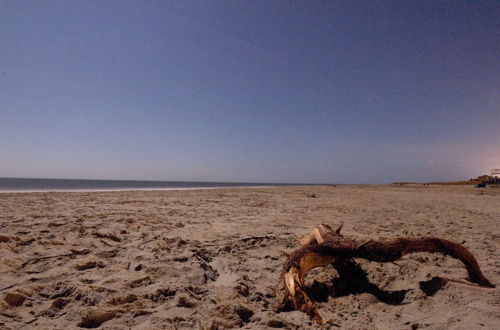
(212, 258)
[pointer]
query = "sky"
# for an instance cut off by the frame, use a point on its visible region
(254, 91)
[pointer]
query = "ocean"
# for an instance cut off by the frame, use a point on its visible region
(28, 184)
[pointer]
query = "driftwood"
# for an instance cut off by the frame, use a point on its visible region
(325, 246)
(73, 253)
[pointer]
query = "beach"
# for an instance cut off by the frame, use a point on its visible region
(213, 258)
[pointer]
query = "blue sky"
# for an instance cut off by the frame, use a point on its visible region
(267, 91)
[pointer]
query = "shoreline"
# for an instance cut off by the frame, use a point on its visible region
(132, 189)
(44, 185)
(326, 185)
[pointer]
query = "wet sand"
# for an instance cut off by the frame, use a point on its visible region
(201, 259)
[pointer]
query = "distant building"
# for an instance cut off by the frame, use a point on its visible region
(492, 180)
(495, 177)
(484, 178)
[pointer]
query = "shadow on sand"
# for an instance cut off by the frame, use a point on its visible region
(353, 279)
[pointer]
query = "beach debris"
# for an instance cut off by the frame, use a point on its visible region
(324, 246)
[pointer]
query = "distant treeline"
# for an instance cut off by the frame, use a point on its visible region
(478, 180)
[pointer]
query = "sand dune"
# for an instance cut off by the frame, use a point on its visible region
(213, 258)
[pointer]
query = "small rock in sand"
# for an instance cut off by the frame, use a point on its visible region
(14, 299)
(59, 303)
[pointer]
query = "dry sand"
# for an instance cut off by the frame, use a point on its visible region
(186, 259)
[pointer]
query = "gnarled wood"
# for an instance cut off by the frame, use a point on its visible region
(325, 246)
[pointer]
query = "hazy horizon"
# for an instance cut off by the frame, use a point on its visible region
(215, 181)
(233, 91)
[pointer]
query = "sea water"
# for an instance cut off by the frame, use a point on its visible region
(30, 184)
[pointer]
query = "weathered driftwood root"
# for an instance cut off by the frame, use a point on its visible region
(325, 246)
